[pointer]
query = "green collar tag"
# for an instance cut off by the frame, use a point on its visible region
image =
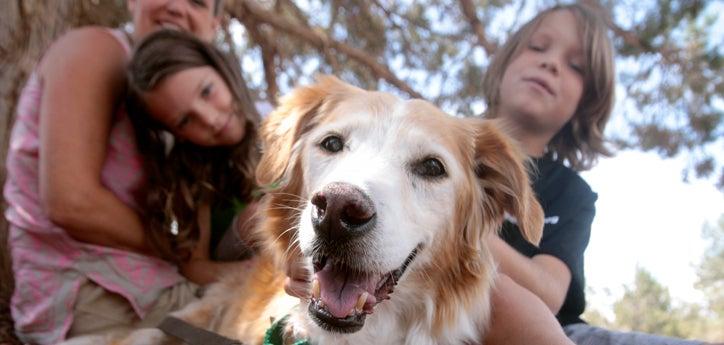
(275, 334)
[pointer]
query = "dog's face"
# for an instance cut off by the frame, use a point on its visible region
(379, 189)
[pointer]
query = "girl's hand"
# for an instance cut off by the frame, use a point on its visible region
(204, 271)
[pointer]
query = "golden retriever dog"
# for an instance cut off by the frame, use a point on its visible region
(389, 202)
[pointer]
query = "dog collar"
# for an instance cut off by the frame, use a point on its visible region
(275, 334)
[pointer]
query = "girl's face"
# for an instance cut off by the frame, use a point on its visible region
(543, 84)
(194, 16)
(196, 104)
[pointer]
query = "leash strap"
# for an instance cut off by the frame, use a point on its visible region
(191, 334)
(275, 334)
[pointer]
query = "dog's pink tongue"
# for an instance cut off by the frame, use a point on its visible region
(340, 290)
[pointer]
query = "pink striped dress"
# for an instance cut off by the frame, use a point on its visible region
(49, 265)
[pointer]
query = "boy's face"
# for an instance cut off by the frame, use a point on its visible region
(543, 84)
(194, 16)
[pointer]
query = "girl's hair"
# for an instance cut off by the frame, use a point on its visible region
(581, 140)
(182, 176)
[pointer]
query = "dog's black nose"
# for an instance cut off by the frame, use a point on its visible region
(342, 211)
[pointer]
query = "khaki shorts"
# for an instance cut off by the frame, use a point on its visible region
(98, 311)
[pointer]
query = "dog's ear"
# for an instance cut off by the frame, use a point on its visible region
(296, 114)
(501, 168)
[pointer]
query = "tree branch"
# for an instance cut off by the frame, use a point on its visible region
(320, 40)
(629, 37)
(294, 9)
(468, 9)
(269, 51)
(229, 41)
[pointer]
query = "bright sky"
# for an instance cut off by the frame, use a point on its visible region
(647, 217)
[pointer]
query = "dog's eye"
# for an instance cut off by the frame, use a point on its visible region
(332, 144)
(429, 167)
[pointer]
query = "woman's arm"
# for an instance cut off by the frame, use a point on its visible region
(83, 82)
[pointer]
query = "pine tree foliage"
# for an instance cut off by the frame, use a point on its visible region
(669, 56)
(669, 59)
(645, 307)
(711, 277)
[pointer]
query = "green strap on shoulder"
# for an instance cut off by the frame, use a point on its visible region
(275, 334)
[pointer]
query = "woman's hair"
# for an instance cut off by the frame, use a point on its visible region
(181, 175)
(581, 140)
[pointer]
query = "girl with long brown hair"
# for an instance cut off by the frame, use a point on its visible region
(196, 128)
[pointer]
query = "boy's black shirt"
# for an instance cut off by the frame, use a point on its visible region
(569, 207)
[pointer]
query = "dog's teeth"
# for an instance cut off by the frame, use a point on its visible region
(361, 302)
(315, 288)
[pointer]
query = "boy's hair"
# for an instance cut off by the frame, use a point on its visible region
(581, 140)
(182, 176)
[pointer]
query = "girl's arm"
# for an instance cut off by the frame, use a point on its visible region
(200, 269)
(239, 244)
(83, 81)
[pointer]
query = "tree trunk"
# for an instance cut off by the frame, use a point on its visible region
(27, 27)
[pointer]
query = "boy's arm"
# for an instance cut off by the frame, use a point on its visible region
(556, 265)
(520, 318)
(544, 275)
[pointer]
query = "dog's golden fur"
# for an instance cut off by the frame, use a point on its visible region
(445, 300)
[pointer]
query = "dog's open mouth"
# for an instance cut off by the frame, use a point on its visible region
(342, 297)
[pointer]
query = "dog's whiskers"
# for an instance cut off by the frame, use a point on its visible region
(293, 196)
(296, 209)
(275, 240)
(286, 207)
(293, 244)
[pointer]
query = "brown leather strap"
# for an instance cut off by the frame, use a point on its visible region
(191, 334)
